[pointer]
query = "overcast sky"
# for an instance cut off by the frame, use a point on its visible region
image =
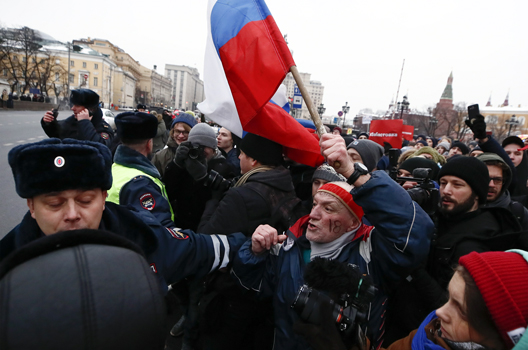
(354, 48)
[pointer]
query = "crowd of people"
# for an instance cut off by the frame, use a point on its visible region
(417, 246)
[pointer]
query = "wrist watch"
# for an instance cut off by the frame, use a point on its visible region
(359, 169)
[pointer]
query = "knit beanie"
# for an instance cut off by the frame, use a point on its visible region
(203, 135)
(501, 278)
(327, 173)
(471, 170)
(462, 146)
(370, 152)
(445, 145)
(437, 157)
(184, 118)
(344, 197)
(423, 142)
(261, 149)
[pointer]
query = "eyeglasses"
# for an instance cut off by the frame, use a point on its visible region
(497, 180)
(179, 132)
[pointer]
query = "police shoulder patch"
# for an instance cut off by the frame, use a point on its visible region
(105, 136)
(177, 234)
(147, 201)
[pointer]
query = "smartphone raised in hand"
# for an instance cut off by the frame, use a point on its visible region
(474, 113)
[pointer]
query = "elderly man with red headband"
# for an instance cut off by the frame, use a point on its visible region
(272, 264)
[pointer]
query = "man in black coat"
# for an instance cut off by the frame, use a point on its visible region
(263, 195)
(462, 226)
(86, 123)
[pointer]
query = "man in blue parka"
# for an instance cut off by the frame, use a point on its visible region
(65, 183)
(396, 244)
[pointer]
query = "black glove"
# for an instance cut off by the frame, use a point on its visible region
(182, 153)
(195, 164)
(478, 126)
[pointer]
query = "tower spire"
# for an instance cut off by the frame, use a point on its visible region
(448, 91)
(506, 101)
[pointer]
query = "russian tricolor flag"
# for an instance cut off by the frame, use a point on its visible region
(246, 60)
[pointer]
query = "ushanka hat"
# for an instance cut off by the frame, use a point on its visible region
(55, 165)
(136, 126)
(84, 97)
(501, 278)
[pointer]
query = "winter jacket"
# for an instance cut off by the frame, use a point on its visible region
(161, 137)
(137, 183)
(232, 160)
(397, 244)
(505, 201)
(188, 197)
(96, 130)
(492, 146)
(244, 208)
(163, 157)
(172, 254)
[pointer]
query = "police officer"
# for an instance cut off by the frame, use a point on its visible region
(141, 108)
(86, 123)
(66, 182)
(137, 182)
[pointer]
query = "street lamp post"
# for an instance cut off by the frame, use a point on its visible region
(512, 122)
(403, 106)
(321, 109)
(433, 122)
(346, 109)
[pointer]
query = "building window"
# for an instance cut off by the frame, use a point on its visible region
(15, 57)
(96, 66)
(84, 64)
(24, 58)
(71, 78)
(56, 76)
(72, 64)
(95, 81)
(5, 72)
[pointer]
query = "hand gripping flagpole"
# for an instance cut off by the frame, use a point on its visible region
(311, 108)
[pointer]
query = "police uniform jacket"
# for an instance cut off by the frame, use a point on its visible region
(96, 130)
(137, 183)
(172, 254)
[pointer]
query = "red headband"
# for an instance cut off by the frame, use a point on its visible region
(344, 196)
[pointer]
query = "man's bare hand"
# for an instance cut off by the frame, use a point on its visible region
(333, 148)
(264, 238)
(48, 117)
(84, 114)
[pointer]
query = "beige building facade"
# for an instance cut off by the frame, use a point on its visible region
(315, 90)
(187, 87)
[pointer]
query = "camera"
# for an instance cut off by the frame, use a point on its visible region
(425, 193)
(196, 152)
(216, 181)
(339, 285)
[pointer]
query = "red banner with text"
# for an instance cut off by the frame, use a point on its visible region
(408, 132)
(390, 131)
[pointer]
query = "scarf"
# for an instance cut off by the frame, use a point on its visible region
(245, 177)
(331, 250)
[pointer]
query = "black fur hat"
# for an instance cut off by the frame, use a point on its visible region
(79, 289)
(84, 97)
(136, 125)
(55, 165)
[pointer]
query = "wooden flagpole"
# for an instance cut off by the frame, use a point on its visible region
(311, 108)
(306, 96)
